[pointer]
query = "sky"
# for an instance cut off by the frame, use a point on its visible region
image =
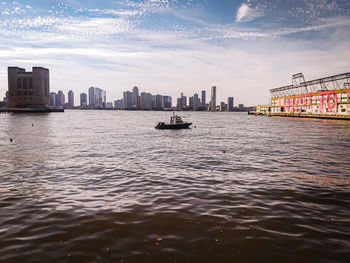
(245, 48)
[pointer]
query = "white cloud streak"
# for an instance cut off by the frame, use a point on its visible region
(247, 13)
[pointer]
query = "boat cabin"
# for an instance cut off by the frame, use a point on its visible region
(175, 119)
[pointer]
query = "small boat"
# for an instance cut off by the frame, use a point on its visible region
(175, 123)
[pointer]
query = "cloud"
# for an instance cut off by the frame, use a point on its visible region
(247, 13)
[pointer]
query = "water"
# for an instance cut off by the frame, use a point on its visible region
(105, 186)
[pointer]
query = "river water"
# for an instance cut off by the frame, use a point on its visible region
(105, 186)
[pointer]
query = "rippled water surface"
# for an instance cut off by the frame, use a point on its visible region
(105, 186)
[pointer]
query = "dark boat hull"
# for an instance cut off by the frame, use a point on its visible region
(163, 126)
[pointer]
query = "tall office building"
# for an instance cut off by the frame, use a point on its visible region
(60, 99)
(71, 99)
(167, 102)
(230, 103)
(195, 101)
(190, 103)
(53, 97)
(203, 100)
(28, 89)
(146, 101)
(184, 100)
(97, 97)
(135, 95)
(127, 98)
(92, 96)
(159, 102)
(83, 99)
(179, 103)
(213, 99)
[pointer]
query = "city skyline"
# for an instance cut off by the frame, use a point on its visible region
(243, 47)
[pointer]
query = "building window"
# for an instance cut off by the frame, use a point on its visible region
(30, 83)
(24, 83)
(19, 93)
(19, 83)
(30, 93)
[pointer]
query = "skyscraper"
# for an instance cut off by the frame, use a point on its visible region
(195, 101)
(53, 96)
(230, 103)
(92, 96)
(135, 95)
(127, 99)
(97, 97)
(28, 89)
(60, 99)
(159, 102)
(213, 99)
(203, 100)
(70, 99)
(167, 103)
(184, 101)
(83, 99)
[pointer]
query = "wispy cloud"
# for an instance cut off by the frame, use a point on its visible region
(246, 13)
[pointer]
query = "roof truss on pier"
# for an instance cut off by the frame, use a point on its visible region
(300, 86)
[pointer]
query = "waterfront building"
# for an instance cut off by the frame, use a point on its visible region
(146, 101)
(135, 95)
(118, 104)
(230, 103)
(97, 97)
(179, 103)
(195, 102)
(184, 101)
(53, 97)
(127, 98)
(70, 99)
(159, 102)
(83, 99)
(190, 103)
(203, 100)
(92, 96)
(241, 107)
(167, 102)
(60, 99)
(109, 105)
(213, 99)
(29, 89)
(223, 106)
(327, 97)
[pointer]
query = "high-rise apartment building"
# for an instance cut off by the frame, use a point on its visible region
(29, 89)
(159, 102)
(70, 99)
(127, 98)
(97, 97)
(92, 96)
(167, 102)
(60, 99)
(195, 101)
(83, 99)
(213, 99)
(230, 103)
(203, 100)
(135, 95)
(53, 97)
(146, 101)
(179, 103)
(184, 101)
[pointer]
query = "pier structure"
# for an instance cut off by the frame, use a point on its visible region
(327, 97)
